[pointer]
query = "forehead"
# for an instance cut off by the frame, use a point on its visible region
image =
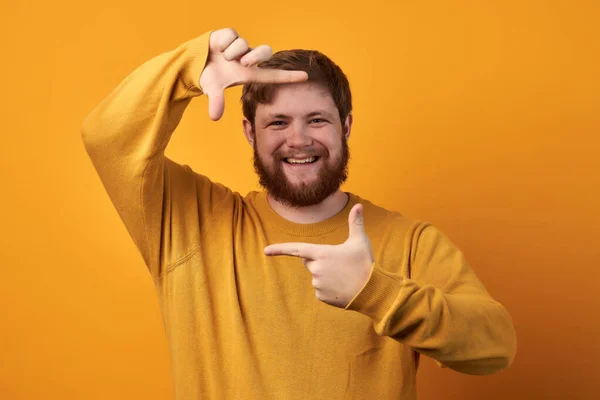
(297, 99)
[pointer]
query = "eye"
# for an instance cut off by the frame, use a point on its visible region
(317, 120)
(277, 123)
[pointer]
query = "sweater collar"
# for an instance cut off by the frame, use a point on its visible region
(271, 218)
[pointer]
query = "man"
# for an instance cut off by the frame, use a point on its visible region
(301, 291)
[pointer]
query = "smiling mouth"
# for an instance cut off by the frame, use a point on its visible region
(300, 161)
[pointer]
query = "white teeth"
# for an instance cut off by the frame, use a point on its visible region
(304, 161)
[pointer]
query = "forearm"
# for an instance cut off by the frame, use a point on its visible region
(440, 309)
(127, 133)
(469, 333)
(138, 117)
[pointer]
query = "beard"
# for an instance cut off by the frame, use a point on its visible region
(332, 174)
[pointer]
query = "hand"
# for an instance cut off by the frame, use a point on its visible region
(231, 62)
(339, 272)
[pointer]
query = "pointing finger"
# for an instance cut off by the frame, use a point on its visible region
(264, 75)
(303, 250)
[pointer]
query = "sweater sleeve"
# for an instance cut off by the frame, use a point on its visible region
(442, 310)
(161, 203)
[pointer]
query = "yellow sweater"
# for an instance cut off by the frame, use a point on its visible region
(241, 325)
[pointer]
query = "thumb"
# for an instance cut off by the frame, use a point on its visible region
(356, 222)
(216, 103)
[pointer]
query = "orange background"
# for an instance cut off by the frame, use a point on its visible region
(482, 117)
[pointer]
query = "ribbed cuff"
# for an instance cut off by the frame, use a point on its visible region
(196, 51)
(377, 297)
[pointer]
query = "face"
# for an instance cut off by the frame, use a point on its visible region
(300, 145)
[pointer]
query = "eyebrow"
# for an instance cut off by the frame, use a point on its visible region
(311, 114)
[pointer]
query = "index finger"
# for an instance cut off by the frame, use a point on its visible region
(303, 250)
(263, 75)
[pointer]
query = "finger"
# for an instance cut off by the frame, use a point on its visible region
(320, 294)
(316, 282)
(356, 222)
(304, 250)
(264, 75)
(222, 38)
(216, 104)
(238, 48)
(257, 55)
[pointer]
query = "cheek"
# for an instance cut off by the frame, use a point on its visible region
(267, 150)
(334, 147)
(330, 139)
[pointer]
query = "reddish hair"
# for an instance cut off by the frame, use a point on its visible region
(320, 69)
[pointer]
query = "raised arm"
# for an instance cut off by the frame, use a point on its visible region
(127, 133)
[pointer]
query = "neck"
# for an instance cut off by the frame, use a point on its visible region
(311, 214)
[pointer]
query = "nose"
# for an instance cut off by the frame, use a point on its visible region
(298, 136)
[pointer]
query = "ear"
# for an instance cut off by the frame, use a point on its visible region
(248, 131)
(348, 126)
